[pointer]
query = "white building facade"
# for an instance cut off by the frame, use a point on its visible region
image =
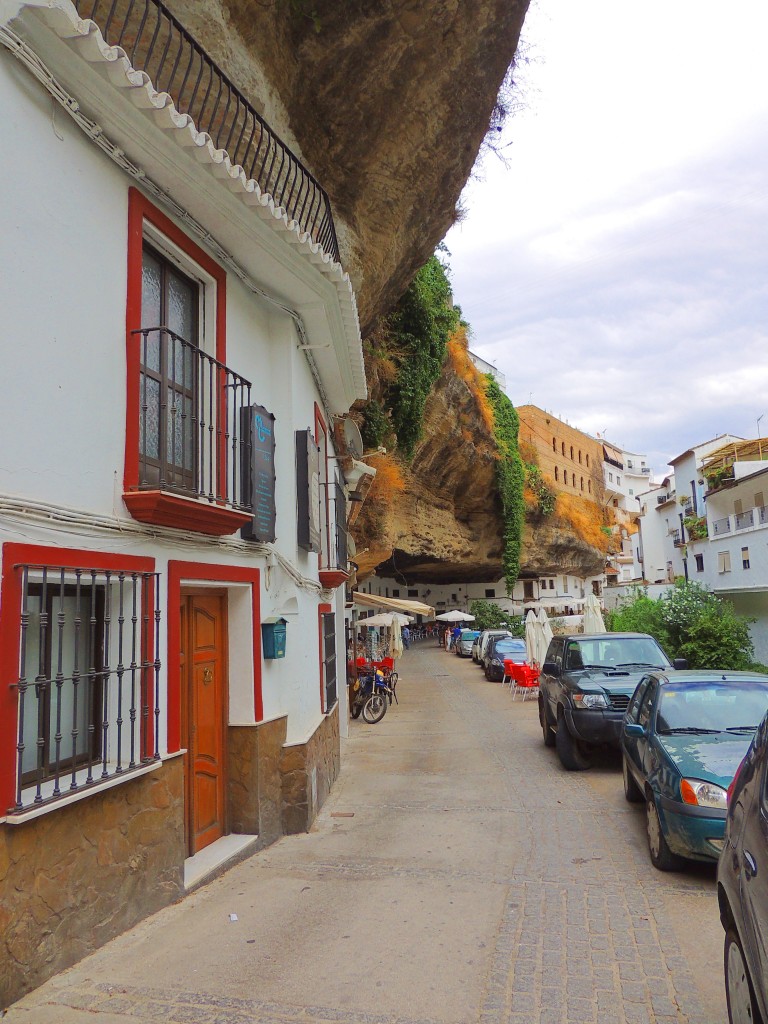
(180, 342)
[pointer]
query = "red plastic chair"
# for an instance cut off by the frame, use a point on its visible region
(524, 679)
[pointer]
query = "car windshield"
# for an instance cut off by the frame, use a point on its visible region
(615, 652)
(734, 706)
(470, 634)
(509, 646)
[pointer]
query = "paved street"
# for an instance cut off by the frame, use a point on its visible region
(456, 875)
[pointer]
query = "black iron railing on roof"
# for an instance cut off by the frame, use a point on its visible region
(155, 42)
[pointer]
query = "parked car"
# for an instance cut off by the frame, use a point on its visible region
(682, 740)
(742, 886)
(481, 644)
(466, 640)
(585, 687)
(503, 648)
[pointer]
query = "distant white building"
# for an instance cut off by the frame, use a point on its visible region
(732, 557)
(626, 475)
(485, 367)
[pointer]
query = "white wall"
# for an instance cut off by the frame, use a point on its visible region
(63, 246)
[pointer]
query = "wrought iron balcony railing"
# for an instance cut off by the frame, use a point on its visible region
(191, 438)
(158, 44)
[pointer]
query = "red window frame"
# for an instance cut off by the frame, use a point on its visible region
(321, 431)
(15, 554)
(323, 609)
(184, 513)
(210, 573)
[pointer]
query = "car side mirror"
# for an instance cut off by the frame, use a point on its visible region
(549, 668)
(680, 663)
(633, 729)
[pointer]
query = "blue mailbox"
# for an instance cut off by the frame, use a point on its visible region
(273, 634)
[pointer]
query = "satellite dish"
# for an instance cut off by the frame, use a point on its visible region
(353, 438)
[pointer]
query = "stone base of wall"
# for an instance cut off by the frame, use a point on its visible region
(254, 780)
(76, 877)
(274, 789)
(309, 771)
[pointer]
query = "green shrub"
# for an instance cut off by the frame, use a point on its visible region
(689, 622)
(376, 425)
(489, 615)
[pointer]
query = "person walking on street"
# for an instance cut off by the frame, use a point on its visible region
(406, 635)
(455, 637)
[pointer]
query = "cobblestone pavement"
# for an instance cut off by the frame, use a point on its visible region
(456, 874)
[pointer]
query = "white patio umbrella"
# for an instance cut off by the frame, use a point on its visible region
(593, 617)
(385, 619)
(532, 637)
(546, 634)
(397, 637)
(455, 616)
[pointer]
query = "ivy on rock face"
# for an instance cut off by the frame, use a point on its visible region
(510, 478)
(419, 329)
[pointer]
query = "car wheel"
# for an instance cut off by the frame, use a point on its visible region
(569, 750)
(487, 673)
(739, 994)
(662, 857)
(632, 792)
(546, 728)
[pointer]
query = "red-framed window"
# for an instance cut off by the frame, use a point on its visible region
(79, 677)
(327, 657)
(183, 435)
(180, 573)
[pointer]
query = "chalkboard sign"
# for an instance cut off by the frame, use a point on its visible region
(259, 472)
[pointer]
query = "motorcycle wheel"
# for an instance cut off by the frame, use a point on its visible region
(356, 708)
(375, 708)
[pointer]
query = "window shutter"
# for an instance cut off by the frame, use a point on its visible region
(307, 491)
(724, 561)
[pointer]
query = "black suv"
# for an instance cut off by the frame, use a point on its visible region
(586, 683)
(742, 886)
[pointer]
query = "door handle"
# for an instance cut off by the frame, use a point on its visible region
(750, 865)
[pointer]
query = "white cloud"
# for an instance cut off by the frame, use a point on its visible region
(617, 271)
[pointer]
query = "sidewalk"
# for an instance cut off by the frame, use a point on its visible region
(456, 874)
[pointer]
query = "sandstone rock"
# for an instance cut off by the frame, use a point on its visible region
(388, 104)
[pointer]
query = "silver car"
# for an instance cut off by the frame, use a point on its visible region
(480, 645)
(466, 640)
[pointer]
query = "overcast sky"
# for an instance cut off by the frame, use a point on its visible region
(616, 269)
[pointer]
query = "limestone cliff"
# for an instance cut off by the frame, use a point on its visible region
(387, 101)
(440, 521)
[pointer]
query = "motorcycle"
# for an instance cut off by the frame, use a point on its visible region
(370, 697)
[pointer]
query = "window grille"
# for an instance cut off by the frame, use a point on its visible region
(88, 683)
(329, 659)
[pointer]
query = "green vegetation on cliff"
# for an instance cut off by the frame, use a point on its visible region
(510, 478)
(415, 338)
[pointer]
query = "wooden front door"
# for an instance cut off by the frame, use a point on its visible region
(204, 675)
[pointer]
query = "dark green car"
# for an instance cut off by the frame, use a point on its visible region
(683, 738)
(585, 687)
